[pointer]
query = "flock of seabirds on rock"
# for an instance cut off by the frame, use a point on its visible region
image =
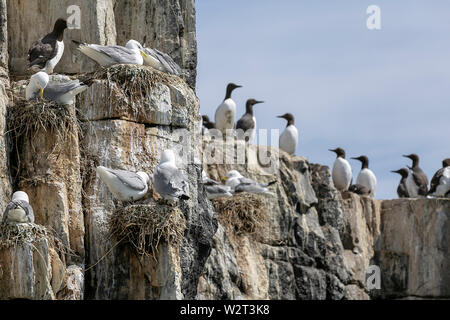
(168, 181)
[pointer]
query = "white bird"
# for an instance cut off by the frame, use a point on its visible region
(168, 180)
(289, 138)
(157, 59)
(238, 183)
(246, 125)
(440, 183)
(214, 189)
(110, 55)
(366, 177)
(125, 185)
(226, 112)
(45, 53)
(19, 209)
(59, 92)
(417, 180)
(342, 171)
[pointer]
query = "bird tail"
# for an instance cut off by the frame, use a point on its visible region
(271, 183)
(184, 197)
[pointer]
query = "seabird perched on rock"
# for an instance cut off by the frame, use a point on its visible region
(207, 123)
(247, 123)
(366, 177)
(125, 185)
(402, 191)
(417, 181)
(289, 138)
(214, 189)
(45, 53)
(168, 180)
(359, 189)
(226, 112)
(158, 60)
(238, 183)
(19, 209)
(342, 171)
(440, 184)
(111, 55)
(59, 92)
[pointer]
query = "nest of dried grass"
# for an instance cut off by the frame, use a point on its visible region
(145, 226)
(16, 235)
(243, 214)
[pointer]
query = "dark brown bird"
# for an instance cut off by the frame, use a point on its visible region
(417, 180)
(247, 121)
(402, 191)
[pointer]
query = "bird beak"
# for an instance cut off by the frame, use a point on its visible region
(406, 156)
(238, 86)
(41, 93)
(332, 150)
(280, 117)
(394, 171)
(143, 54)
(223, 179)
(259, 102)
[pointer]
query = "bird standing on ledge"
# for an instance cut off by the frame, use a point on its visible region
(289, 138)
(402, 191)
(247, 123)
(417, 181)
(366, 177)
(226, 112)
(342, 171)
(440, 184)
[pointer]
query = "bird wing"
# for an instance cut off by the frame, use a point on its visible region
(43, 50)
(402, 191)
(171, 181)
(24, 205)
(421, 181)
(54, 90)
(245, 180)
(436, 180)
(128, 178)
(117, 53)
(251, 188)
(245, 123)
(169, 64)
(217, 189)
(210, 182)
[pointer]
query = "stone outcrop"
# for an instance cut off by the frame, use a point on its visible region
(165, 25)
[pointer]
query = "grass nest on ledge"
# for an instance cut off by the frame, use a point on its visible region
(16, 235)
(145, 226)
(243, 214)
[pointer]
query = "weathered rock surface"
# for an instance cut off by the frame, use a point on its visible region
(413, 249)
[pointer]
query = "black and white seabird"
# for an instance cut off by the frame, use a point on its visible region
(440, 184)
(59, 92)
(45, 53)
(226, 112)
(19, 209)
(247, 123)
(168, 180)
(107, 56)
(359, 189)
(342, 171)
(402, 191)
(207, 123)
(417, 181)
(125, 185)
(289, 138)
(238, 183)
(366, 177)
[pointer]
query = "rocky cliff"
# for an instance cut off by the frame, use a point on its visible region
(308, 241)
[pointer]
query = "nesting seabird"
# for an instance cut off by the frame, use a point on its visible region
(159, 60)
(214, 189)
(247, 123)
(125, 185)
(59, 92)
(226, 112)
(417, 181)
(239, 183)
(359, 189)
(440, 184)
(19, 209)
(289, 138)
(45, 53)
(168, 180)
(402, 191)
(342, 171)
(366, 177)
(111, 55)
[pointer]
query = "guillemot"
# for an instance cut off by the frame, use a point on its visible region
(246, 125)
(45, 53)
(342, 171)
(440, 184)
(402, 191)
(289, 138)
(226, 112)
(366, 177)
(417, 180)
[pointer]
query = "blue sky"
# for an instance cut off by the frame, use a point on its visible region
(382, 93)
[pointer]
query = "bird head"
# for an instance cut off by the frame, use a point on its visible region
(364, 160)
(403, 172)
(60, 25)
(339, 152)
(288, 117)
(414, 157)
(168, 156)
(446, 163)
(40, 81)
(144, 176)
(135, 45)
(20, 195)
